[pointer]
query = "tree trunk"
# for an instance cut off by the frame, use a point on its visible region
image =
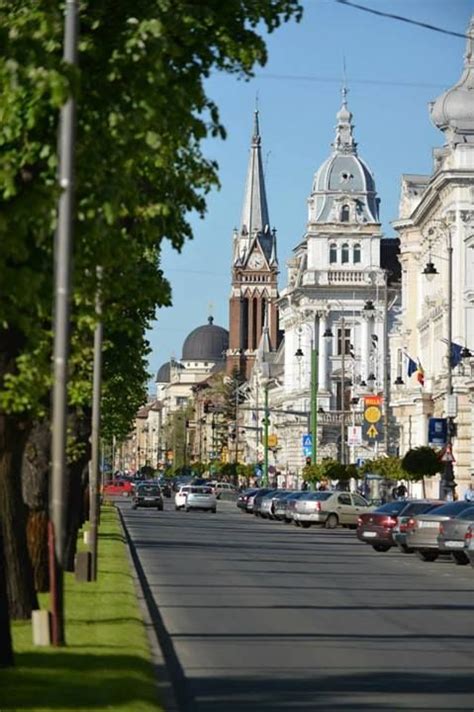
(78, 477)
(20, 588)
(35, 485)
(6, 647)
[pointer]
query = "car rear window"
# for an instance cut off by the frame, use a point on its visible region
(318, 496)
(391, 507)
(451, 508)
(467, 514)
(149, 489)
(418, 507)
(200, 490)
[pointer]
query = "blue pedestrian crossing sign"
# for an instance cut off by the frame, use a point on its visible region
(307, 444)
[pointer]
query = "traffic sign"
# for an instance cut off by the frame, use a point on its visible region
(447, 455)
(354, 435)
(437, 431)
(272, 440)
(307, 444)
(372, 427)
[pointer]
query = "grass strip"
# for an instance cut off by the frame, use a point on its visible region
(106, 664)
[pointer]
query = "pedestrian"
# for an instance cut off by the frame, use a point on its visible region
(469, 494)
(401, 491)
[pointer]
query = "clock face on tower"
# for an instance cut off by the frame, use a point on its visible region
(256, 261)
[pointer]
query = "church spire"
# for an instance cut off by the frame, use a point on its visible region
(255, 210)
(344, 142)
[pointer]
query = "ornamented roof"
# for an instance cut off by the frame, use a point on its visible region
(453, 111)
(206, 343)
(164, 372)
(344, 179)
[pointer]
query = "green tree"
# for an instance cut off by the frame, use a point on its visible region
(421, 462)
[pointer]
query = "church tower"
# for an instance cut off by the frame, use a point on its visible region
(253, 299)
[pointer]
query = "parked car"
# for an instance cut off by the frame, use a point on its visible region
(399, 532)
(120, 487)
(451, 535)
(180, 497)
(200, 497)
(243, 497)
(329, 509)
(259, 501)
(224, 488)
(469, 544)
(267, 504)
(251, 498)
(283, 505)
(377, 528)
(147, 494)
(422, 530)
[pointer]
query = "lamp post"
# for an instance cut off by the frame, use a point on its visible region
(430, 271)
(313, 387)
(328, 334)
(265, 436)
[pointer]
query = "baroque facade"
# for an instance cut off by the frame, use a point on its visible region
(436, 229)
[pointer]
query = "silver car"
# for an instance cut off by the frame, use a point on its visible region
(451, 535)
(329, 509)
(200, 497)
(422, 531)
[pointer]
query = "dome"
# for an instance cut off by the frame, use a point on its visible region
(164, 372)
(343, 188)
(206, 343)
(453, 111)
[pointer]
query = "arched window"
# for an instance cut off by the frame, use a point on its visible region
(345, 253)
(345, 213)
(356, 253)
(332, 253)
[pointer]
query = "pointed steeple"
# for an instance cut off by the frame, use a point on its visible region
(255, 210)
(344, 142)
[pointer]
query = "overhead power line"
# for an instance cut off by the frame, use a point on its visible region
(337, 80)
(400, 18)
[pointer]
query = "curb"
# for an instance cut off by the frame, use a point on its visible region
(163, 654)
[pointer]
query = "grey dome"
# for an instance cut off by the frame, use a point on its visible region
(164, 372)
(453, 111)
(206, 343)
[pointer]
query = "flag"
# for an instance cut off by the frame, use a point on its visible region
(351, 350)
(375, 340)
(456, 351)
(420, 374)
(411, 366)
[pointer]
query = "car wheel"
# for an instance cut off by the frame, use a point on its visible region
(405, 549)
(427, 554)
(381, 547)
(186, 509)
(214, 510)
(332, 521)
(460, 558)
(306, 525)
(287, 521)
(177, 508)
(134, 506)
(296, 523)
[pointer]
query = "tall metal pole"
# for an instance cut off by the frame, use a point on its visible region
(449, 484)
(343, 386)
(386, 368)
(265, 438)
(94, 489)
(62, 252)
(314, 391)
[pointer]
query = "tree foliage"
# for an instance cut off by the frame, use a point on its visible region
(421, 462)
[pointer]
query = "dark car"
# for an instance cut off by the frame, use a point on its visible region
(376, 527)
(451, 535)
(147, 495)
(244, 496)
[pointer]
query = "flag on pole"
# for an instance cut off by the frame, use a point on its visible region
(420, 374)
(411, 366)
(456, 353)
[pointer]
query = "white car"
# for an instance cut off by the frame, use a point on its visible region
(180, 497)
(200, 497)
(223, 488)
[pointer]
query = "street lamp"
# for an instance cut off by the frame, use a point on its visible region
(313, 387)
(328, 334)
(430, 271)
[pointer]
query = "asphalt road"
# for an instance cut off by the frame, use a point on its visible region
(255, 615)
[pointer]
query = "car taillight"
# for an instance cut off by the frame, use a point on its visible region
(318, 506)
(359, 521)
(391, 521)
(411, 524)
(441, 528)
(468, 535)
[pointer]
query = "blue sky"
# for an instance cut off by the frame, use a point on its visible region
(393, 69)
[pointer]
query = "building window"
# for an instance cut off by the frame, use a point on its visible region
(181, 401)
(345, 213)
(347, 342)
(345, 253)
(332, 253)
(399, 363)
(356, 253)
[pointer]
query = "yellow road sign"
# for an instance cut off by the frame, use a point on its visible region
(372, 414)
(372, 432)
(272, 440)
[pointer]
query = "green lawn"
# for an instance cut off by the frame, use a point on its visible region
(106, 663)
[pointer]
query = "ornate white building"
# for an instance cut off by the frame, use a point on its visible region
(340, 292)
(437, 213)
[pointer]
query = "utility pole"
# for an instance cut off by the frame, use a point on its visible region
(386, 369)
(62, 254)
(343, 386)
(94, 474)
(265, 438)
(314, 391)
